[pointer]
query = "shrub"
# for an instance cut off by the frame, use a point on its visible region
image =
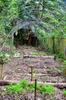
(4, 56)
(61, 55)
(64, 92)
(16, 88)
(25, 86)
(49, 89)
(24, 83)
(64, 68)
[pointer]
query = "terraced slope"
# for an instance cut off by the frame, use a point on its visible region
(45, 69)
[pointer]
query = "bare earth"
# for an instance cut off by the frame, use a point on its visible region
(45, 68)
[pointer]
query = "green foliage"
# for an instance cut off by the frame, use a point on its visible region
(61, 55)
(4, 56)
(24, 86)
(64, 92)
(49, 89)
(24, 83)
(16, 88)
(50, 13)
(64, 68)
(31, 87)
(9, 11)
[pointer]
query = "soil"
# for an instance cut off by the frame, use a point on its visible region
(57, 95)
(45, 69)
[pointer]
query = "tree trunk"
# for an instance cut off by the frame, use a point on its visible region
(1, 70)
(53, 39)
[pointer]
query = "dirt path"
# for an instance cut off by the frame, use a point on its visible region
(45, 67)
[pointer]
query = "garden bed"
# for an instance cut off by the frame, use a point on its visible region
(58, 94)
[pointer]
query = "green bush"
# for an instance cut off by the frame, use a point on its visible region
(64, 92)
(16, 88)
(61, 55)
(64, 68)
(24, 83)
(49, 89)
(23, 86)
(4, 56)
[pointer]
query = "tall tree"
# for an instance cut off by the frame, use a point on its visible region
(8, 11)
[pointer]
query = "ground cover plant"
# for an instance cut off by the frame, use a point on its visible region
(16, 88)
(64, 92)
(4, 57)
(24, 86)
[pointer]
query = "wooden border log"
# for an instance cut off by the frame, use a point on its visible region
(7, 82)
(45, 57)
(58, 85)
(51, 75)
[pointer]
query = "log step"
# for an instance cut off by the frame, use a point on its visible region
(58, 85)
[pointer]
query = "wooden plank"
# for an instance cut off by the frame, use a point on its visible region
(58, 85)
(7, 82)
(45, 57)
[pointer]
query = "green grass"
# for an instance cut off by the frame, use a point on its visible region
(16, 88)
(64, 92)
(49, 89)
(24, 86)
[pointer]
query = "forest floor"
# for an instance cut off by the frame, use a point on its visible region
(45, 69)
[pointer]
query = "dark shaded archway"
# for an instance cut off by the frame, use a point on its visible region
(25, 37)
(32, 40)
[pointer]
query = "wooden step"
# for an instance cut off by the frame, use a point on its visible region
(45, 57)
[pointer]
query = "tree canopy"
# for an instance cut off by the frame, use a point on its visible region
(49, 14)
